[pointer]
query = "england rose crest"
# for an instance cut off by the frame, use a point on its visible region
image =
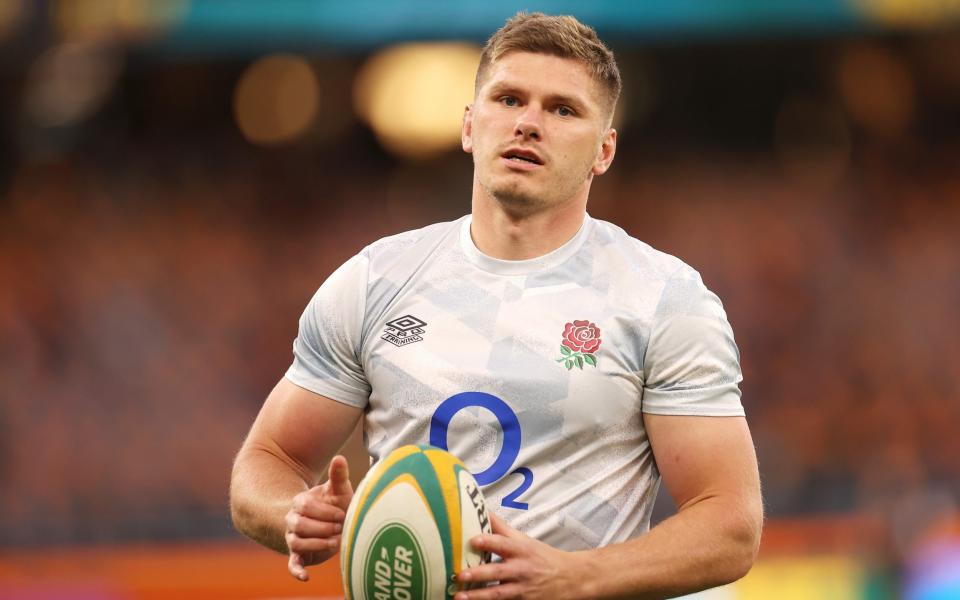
(581, 340)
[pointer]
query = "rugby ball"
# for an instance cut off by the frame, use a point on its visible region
(408, 527)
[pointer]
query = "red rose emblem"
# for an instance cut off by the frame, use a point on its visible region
(581, 336)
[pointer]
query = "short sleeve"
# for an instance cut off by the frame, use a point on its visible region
(692, 365)
(327, 349)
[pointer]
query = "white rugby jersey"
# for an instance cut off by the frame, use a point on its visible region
(535, 373)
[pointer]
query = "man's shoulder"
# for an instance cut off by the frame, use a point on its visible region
(396, 256)
(637, 254)
(398, 242)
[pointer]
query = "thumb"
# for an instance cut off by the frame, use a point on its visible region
(295, 566)
(340, 477)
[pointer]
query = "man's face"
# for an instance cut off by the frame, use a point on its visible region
(538, 131)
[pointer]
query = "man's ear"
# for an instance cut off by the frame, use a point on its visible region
(466, 129)
(608, 148)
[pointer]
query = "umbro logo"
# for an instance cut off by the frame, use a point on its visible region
(405, 330)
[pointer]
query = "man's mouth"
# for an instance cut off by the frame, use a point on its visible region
(524, 156)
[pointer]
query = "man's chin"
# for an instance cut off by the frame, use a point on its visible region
(517, 202)
(516, 195)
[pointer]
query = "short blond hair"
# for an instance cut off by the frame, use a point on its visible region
(562, 36)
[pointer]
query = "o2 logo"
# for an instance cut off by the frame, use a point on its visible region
(510, 425)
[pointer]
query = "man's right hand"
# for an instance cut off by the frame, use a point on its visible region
(316, 520)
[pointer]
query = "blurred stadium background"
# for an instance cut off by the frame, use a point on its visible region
(177, 177)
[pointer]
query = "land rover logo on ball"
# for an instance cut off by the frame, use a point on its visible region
(395, 568)
(405, 330)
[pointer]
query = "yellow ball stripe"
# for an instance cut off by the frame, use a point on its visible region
(444, 462)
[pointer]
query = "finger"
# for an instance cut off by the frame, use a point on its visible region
(315, 510)
(302, 545)
(295, 566)
(317, 506)
(305, 526)
(340, 477)
(497, 592)
(500, 526)
(499, 571)
(498, 544)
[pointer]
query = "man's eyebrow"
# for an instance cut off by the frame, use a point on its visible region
(504, 87)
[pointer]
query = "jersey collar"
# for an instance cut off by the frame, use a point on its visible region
(522, 267)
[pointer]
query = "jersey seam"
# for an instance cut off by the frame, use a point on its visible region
(716, 412)
(358, 351)
(323, 390)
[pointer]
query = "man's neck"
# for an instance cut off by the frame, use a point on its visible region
(500, 234)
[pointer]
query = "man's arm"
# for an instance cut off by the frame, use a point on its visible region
(273, 488)
(709, 466)
(710, 469)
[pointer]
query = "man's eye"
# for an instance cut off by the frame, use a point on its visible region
(509, 101)
(565, 111)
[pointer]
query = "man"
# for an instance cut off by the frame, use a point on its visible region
(550, 351)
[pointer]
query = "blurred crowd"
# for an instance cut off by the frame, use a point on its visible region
(149, 298)
(143, 321)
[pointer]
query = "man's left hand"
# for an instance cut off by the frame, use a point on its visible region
(530, 569)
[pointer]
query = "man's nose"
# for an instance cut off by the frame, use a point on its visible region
(529, 125)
